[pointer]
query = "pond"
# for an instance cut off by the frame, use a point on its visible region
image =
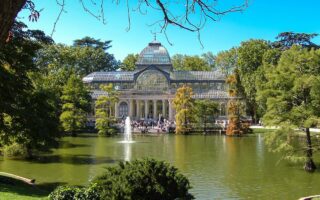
(218, 167)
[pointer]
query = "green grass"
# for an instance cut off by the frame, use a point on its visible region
(265, 130)
(11, 189)
(20, 192)
(261, 130)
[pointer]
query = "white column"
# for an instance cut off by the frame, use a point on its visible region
(138, 108)
(116, 110)
(170, 110)
(146, 109)
(131, 108)
(155, 109)
(164, 108)
(226, 108)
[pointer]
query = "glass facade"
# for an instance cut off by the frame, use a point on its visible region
(148, 91)
(123, 109)
(154, 74)
(152, 80)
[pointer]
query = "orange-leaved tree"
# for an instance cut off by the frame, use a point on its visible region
(235, 108)
(185, 109)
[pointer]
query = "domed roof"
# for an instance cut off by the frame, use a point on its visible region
(154, 54)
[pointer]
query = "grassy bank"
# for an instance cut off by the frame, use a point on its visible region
(261, 130)
(266, 130)
(17, 190)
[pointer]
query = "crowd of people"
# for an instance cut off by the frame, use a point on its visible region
(150, 125)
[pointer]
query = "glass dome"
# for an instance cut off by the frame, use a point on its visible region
(154, 54)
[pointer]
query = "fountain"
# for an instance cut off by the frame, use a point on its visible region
(127, 131)
(127, 139)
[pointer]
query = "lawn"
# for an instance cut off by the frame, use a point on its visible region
(261, 130)
(11, 189)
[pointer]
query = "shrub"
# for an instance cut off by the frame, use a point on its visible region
(75, 193)
(142, 179)
(92, 192)
(64, 193)
(108, 132)
(16, 151)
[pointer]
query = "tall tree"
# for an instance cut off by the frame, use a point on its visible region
(177, 61)
(94, 43)
(209, 58)
(105, 109)
(76, 104)
(27, 114)
(9, 10)
(270, 59)
(82, 60)
(235, 108)
(286, 40)
(207, 111)
(293, 99)
(129, 62)
(250, 57)
(226, 61)
(190, 63)
(185, 109)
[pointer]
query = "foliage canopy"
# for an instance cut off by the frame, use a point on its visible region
(143, 179)
(185, 109)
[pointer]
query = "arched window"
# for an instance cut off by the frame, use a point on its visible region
(152, 80)
(223, 109)
(123, 109)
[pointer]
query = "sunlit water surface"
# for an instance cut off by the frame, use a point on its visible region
(218, 167)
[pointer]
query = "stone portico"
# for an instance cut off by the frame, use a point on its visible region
(148, 91)
(144, 107)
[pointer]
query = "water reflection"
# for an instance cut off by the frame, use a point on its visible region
(127, 151)
(80, 159)
(218, 167)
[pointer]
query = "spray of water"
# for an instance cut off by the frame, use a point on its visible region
(127, 130)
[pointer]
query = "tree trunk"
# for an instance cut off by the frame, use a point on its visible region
(205, 126)
(309, 165)
(73, 134)
(8, 12)
(253, 116)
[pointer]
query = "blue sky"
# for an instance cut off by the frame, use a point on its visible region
(263, 19)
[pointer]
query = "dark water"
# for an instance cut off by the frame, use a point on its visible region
(218, 167)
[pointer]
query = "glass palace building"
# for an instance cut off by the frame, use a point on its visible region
(148, 91)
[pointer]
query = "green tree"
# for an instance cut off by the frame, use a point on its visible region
(226, 61)
(160, 181)
(293, 99)
(207, 111)
(34, 126)
(27, 114)
(189, 63)
(76, 104)
(286, 40)
(105, 109)
(91, 42)
(83, 60)
(209, 58)
(235, 108)
(250, 57)
(270, 59)
(185, 109)
(177, 61)
(129, 62)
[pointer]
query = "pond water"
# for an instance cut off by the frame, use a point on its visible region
(218, 167)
